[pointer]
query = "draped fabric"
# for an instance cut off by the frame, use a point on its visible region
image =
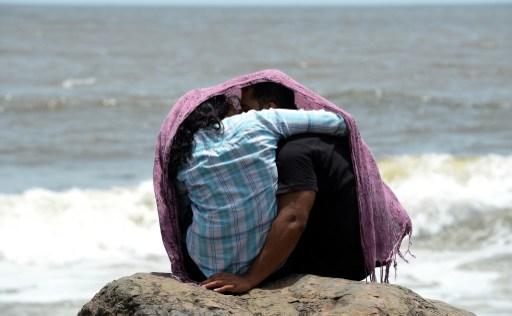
(383, 221)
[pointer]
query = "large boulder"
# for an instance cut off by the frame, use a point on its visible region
(158, 294)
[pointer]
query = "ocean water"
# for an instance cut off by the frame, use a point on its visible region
(83, 91)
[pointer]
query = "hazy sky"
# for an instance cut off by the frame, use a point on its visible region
(255, 2)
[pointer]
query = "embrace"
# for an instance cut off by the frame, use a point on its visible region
(259, 177)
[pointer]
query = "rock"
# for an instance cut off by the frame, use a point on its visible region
(158, 294)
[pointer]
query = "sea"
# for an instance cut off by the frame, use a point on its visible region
(84, 90)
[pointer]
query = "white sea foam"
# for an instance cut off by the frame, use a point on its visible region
(462, 220)
(60, 246)
(72, 82)
(441, 190)
(46, 227)
(438, 275)
(49, 227)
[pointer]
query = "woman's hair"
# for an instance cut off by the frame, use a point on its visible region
(208, 115)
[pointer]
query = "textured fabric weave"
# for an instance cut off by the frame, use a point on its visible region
(383, 221)
(231, 180)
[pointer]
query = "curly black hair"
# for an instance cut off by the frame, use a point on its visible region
(208, 115)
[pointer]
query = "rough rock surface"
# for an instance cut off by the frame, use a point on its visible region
(158, 294)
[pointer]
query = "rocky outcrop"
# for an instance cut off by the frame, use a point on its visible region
(158, 294)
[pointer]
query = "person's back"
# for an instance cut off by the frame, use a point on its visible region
(331, 244)
(224, 177)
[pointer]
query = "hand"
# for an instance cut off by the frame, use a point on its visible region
(224, 282)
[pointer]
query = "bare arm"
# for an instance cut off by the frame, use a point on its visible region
(294, 209)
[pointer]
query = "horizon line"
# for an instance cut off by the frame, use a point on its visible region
(249, 5)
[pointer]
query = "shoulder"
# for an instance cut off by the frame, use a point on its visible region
(239, 118)
(275, 114)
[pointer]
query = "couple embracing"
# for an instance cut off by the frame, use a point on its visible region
(259, 177)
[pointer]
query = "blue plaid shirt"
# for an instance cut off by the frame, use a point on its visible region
(231, 181)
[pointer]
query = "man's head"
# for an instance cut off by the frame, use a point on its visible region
(266, 95)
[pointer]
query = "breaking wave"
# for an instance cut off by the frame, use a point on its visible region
(49, 227)
(453, 201)
(459, 202)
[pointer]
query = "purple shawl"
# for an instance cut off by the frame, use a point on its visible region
(383, 221)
